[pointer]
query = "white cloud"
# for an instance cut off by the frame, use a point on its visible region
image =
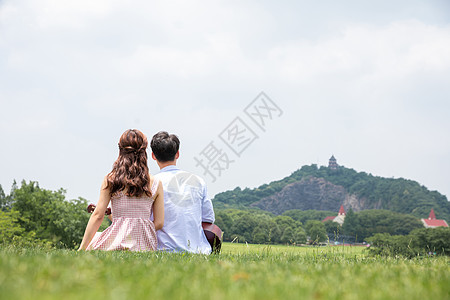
(81, 72)
(394, 51)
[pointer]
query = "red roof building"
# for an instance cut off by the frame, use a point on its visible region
(341, 211)
(339, 218)
(331, 218)
(432, 222)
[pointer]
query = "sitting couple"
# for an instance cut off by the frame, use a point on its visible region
(163, 212)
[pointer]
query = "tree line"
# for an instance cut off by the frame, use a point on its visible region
(419, 242)
(297, 227)
(31, 215)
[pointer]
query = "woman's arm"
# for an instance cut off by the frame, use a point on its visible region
(158, 208)
(97, 216)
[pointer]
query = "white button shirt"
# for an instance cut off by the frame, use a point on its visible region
(186, 206)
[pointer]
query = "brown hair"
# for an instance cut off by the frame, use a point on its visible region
(130, 170)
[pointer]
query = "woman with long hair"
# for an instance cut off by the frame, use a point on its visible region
(135, 195)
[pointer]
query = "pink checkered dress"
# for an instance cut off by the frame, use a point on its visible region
(131, 228)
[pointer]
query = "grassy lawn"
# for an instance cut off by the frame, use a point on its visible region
(239, 272)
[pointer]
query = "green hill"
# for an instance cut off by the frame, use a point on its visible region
(322, 188)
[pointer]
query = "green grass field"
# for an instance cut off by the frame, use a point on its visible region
(239, 272)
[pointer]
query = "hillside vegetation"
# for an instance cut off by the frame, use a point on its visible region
(314, 188)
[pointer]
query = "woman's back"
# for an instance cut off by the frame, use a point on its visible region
(131, 228)
(134, 194)
(123, 206)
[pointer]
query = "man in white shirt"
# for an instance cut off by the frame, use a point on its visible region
(186, 204)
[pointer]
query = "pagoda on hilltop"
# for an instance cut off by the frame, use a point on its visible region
(339, 218)
(332, 163)
(432, 222)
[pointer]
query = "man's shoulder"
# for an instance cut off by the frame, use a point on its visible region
(181, 177)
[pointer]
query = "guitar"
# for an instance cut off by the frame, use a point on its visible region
(213, 233)
(91, 207)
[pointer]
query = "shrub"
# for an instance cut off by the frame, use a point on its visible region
(420, 242)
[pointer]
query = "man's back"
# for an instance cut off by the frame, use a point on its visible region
(186, 205)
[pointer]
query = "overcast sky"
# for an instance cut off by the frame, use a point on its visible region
(369, 83)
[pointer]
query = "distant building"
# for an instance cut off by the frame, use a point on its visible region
(332, 163)
(432, 222)
(339, 218)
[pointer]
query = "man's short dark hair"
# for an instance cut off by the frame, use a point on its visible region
(165, 146)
